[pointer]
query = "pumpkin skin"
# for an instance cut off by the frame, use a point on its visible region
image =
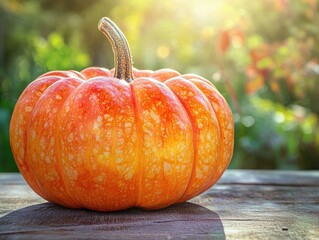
(90, 140)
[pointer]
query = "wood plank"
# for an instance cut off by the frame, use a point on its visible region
(15, 193)
(244, 204)
(181, 219)
(268, 177)
(253, 212)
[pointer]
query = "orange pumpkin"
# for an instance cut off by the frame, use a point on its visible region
(113, 139)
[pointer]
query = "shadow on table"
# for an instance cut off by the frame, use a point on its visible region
(185, 220)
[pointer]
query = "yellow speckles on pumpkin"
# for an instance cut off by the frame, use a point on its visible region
(20, 132)
(106, 154)
(146, 112)
(180, 159)
(42, 89)
(51, 176)
(70, 137)
(98, 123)
(215, 106)
(119, 151)
(92, 98)
(94, 166)
(82, 136)
(21, 153)
(200, 125)
(147, 144)
(191, 94)
(128, 174)
(95, 150)
(28, 108)
(107, 148)
(47, 159)
(42, 142)
(181, 125)
(71, 173)
(101, 177)
(38, 93)
(119, 134)
(58, 97)
(183, 93)
(33, 134)
(126, 171)
(119, 160)
(209, 136)
(220, 168)
(199, 173)
(149, 174)
(108, 117)
(97, 137)
(149, 131)
(195, 112)
(154, 116)
(167, 167)
(70, 156)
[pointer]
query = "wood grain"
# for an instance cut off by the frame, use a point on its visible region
(243, 205)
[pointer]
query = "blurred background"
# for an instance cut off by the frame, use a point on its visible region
(263, 56)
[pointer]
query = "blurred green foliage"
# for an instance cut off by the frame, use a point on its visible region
(262, 56)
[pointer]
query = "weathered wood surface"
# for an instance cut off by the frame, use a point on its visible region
(243, 205)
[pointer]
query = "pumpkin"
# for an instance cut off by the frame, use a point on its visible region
(108, 140)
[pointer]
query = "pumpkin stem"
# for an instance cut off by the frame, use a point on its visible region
(122, 55)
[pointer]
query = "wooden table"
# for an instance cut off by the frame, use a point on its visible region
(243, 205)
